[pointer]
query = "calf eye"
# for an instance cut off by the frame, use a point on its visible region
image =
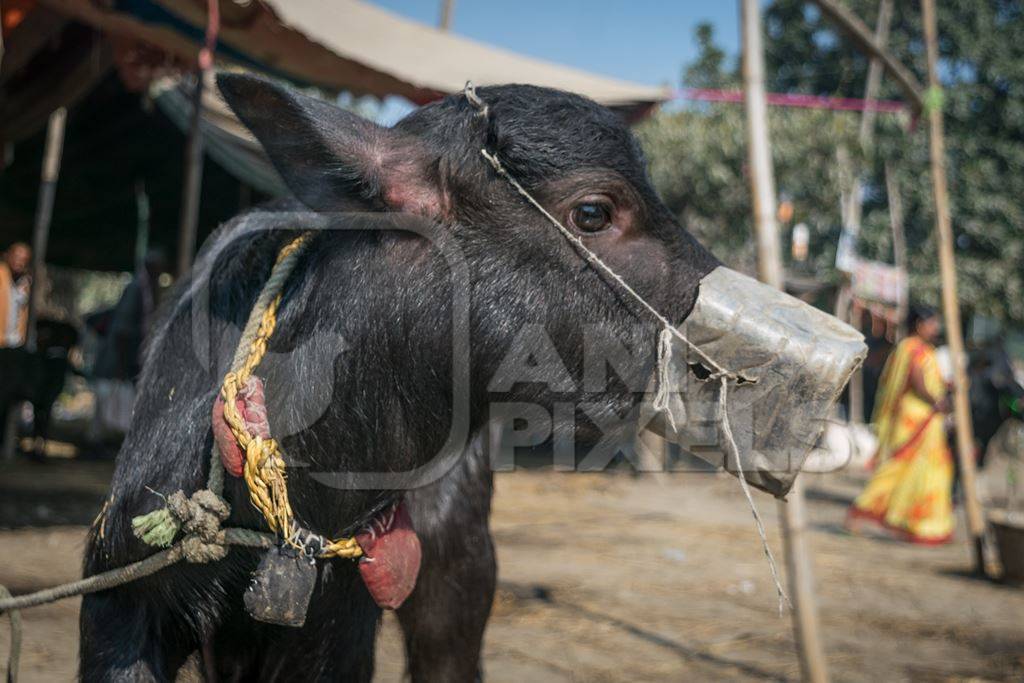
(591, 216)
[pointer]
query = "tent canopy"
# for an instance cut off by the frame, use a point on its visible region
(346, 45)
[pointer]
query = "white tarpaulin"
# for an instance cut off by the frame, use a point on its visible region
(225, 139)
(353, 45)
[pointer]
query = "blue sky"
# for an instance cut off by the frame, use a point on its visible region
(647, 41)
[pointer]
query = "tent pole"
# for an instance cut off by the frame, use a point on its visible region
(192, 182)
(769, 270)
(445, 22)
(40, 237)
(141, 224)
(899, 247)
(44, 214)
(950, 302)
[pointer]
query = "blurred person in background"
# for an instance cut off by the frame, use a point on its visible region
(909, 495)
(15, 283)
(119, 357)
(14, 291)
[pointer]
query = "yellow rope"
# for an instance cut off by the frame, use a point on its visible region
(264, 470)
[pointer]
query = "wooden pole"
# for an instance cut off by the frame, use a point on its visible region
(141, 224)
(845, 310)
(899, 248)
(950, 302)
(853, 219)
(445, 22)
(769, 270)
(759, 161)
(874, 81)
(192, 182)
(866, 134)
(44, 214)
(858, 31)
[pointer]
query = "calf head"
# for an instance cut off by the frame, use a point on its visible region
(546, 328)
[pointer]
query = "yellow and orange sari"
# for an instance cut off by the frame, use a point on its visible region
(909, 493)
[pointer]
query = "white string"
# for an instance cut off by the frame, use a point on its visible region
(595, 260)
(660, 402)
(731, 441)
(664, 355)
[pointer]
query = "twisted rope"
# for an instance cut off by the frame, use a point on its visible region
(200, 515)
(111, 579)
(264, 466)
(14, 658)
(265, 469)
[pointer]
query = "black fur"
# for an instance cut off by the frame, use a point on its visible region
(362, 365)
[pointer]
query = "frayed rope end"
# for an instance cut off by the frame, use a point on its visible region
(157, 528)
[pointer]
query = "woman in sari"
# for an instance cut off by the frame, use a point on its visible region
(909, 494)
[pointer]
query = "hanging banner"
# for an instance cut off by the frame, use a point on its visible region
(878, 282)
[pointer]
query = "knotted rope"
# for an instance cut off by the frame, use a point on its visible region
(660, 402)
(668, 330)
(200, 515)
(264, 466)
(264, 469)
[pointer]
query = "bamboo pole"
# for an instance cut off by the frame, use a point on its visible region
(845, 310)
(141, 224)
(866, 136)
(445, 22)
(857, 31)
(769, 269)
(874, 81)
(899, 248)
(762, 179)
(192, 182)
(44, 215)
(950, 302)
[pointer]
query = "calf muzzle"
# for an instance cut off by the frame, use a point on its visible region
(786, 363)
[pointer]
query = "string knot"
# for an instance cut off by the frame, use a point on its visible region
(199, 516)
(469, 91)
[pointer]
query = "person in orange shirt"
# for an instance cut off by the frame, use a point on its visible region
(14, 291)
(909, 493)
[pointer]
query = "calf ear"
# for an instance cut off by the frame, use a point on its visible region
(334, 160)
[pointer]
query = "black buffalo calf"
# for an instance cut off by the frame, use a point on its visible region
(423, 268)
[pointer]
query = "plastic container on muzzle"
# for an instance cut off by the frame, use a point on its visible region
(788, 363)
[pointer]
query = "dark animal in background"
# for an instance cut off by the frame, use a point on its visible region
(51, 366)
(995, 395)
(365, 333)
(38, 376)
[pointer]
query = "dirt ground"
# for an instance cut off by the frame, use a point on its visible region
(611, 577)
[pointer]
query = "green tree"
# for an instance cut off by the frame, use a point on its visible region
(697, 155)
(708, 70)
(697, 161)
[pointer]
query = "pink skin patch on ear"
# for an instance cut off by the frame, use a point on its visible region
(391, 556)
(253, 409)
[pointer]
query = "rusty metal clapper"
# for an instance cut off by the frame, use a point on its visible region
(281, 587)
